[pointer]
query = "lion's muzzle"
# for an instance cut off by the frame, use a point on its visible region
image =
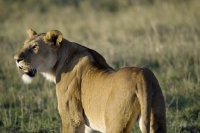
(31, 72)
(27, 69)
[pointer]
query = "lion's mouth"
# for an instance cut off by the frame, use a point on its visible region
(29, 72)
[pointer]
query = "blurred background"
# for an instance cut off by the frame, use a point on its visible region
(163, 35)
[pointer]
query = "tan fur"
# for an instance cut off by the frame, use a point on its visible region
(89, 92)
(31, 32)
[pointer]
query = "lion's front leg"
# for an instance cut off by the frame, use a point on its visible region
(71, 116)
(70, 109)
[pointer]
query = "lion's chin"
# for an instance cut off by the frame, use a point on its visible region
(28, 76)
(27, 79)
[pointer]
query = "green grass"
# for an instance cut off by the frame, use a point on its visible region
(161, 35)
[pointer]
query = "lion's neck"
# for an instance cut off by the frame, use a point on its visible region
(65, 57)
(49, 76)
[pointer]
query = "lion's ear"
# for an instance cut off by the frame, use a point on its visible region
(31, 32)
(54, 36)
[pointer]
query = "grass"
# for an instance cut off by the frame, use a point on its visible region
(161, 35)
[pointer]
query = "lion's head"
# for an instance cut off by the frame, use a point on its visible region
(38, 53)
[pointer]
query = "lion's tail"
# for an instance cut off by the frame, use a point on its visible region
(152, 104)
(145, 104)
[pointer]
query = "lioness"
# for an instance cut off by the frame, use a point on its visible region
(92, 96)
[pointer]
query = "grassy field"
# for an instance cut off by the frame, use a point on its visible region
(161, 35)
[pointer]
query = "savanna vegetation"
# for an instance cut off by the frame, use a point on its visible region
(163, 35)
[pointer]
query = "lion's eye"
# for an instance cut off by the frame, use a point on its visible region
(34, 47)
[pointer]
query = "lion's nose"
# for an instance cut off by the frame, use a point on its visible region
(17, 58)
